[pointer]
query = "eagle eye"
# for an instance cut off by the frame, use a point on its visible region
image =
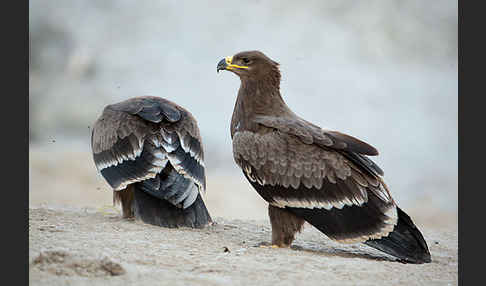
(246, 60)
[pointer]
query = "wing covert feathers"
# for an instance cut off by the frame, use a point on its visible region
(309, 133)
(312, 181)
(137, 139)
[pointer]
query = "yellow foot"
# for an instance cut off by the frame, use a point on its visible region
(271, 246)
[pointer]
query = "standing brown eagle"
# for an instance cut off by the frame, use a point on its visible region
(149, 150)
(307, 173)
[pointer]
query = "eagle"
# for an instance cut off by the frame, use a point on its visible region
(150, 152)
(310, 174)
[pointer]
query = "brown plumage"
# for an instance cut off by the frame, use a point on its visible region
(307, 173)
(149, 150)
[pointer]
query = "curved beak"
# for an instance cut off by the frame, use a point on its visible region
(227, 64)
(222, 65)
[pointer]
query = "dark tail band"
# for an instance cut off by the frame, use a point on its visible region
(404, 242)
(160, 212)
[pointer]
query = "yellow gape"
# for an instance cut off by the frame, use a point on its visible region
(229, 61)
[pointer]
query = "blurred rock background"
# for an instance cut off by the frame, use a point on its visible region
(382, 71)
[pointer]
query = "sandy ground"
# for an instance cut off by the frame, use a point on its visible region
(76, 237)
(97, 247)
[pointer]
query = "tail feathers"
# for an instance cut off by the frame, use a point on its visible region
(404, 242)
(161, 212)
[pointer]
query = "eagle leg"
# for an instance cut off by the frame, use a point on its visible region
(284, 226)
(125, 198)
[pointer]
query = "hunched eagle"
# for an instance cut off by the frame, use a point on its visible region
(307, 173)
(149, 151)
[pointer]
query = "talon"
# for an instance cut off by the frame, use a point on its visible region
(269, 246)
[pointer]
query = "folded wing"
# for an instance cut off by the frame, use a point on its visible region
(150, 141)
(341, 198)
